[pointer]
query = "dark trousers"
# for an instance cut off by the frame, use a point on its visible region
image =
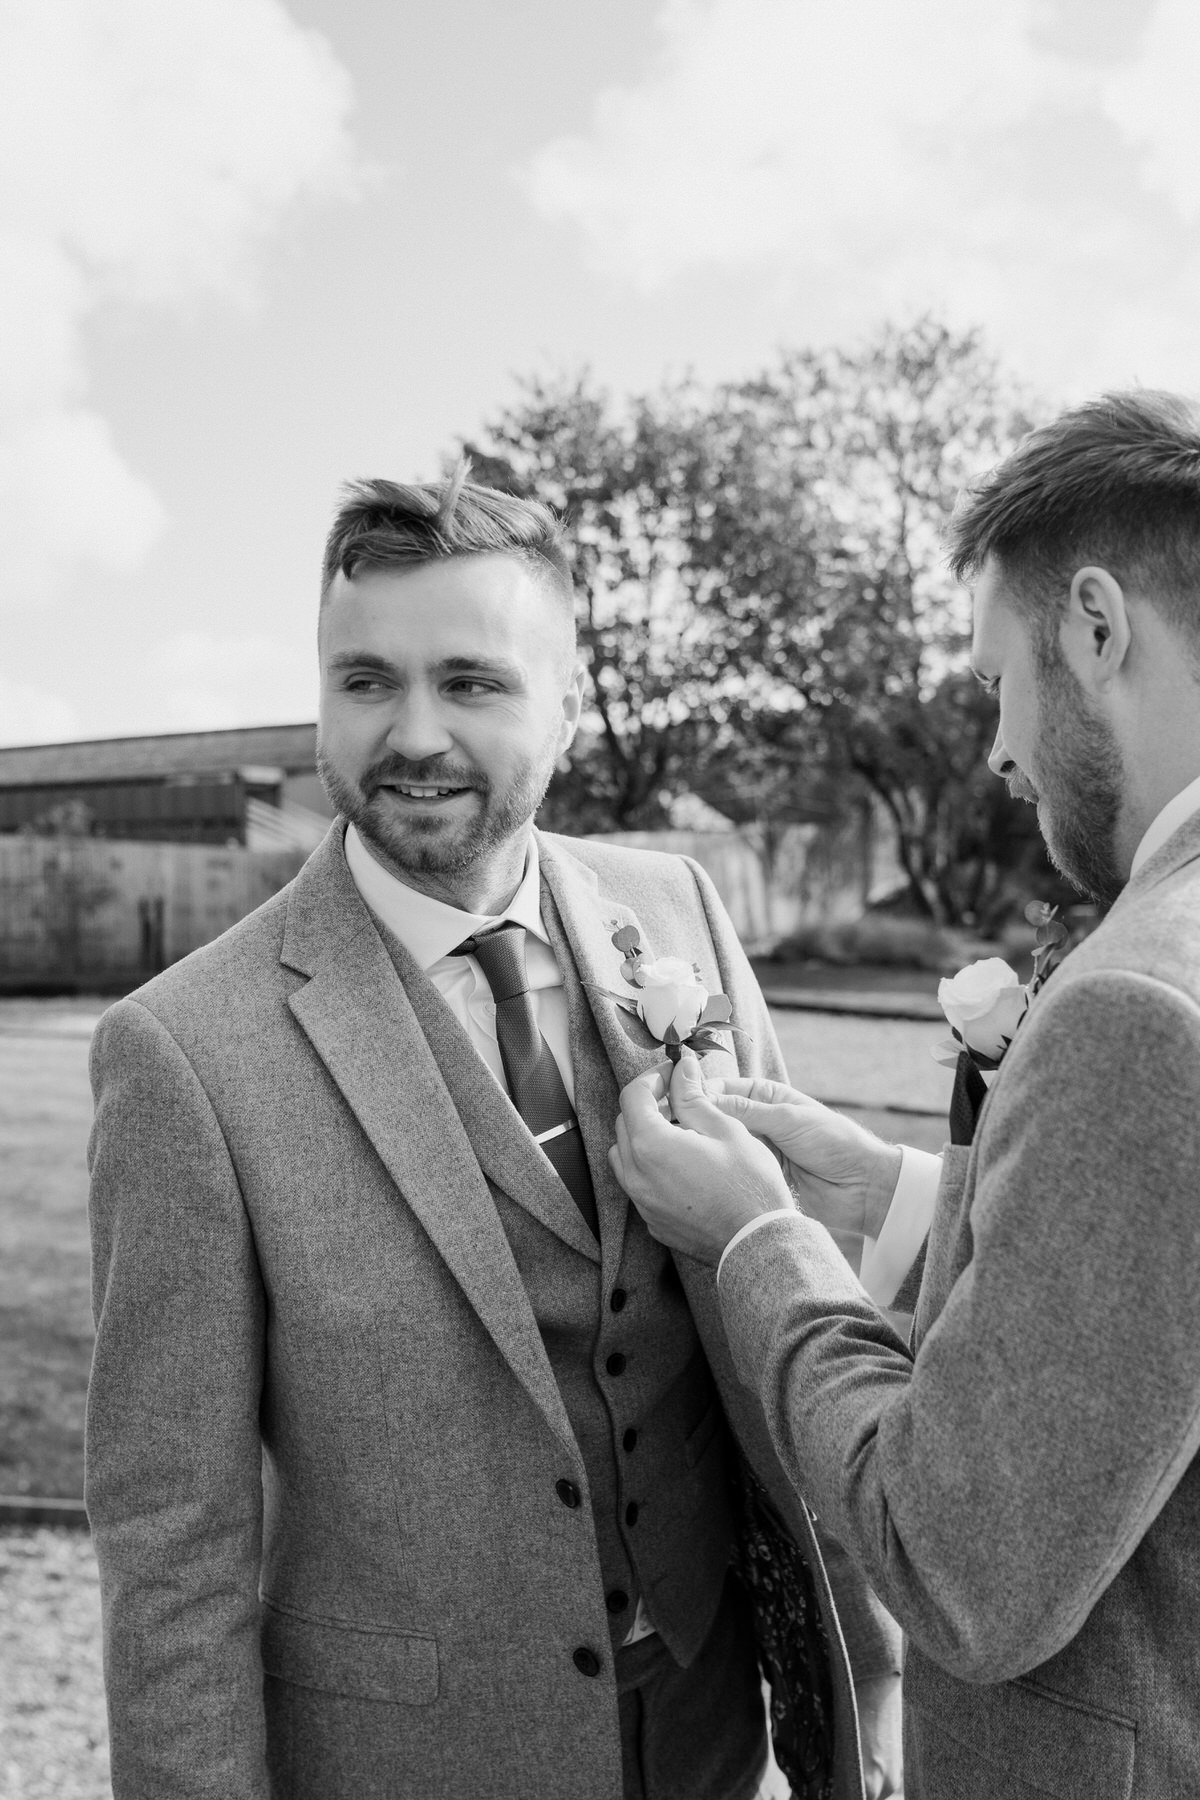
(697, 1733)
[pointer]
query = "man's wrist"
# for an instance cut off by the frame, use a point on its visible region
(882, 1176)
(743, 1231)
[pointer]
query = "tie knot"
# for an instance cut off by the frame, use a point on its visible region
(500, 953)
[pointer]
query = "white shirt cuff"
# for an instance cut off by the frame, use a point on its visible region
(887, 1259)
(781, 1212)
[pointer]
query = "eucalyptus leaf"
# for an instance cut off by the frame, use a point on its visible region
(719, 1008)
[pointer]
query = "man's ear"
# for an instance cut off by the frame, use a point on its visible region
(1095, 633)
(572, 707)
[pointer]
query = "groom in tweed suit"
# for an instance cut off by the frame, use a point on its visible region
(1022, 1485)
(409, 1451)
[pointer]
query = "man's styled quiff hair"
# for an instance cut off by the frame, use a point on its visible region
(382, 525)
(1115, 482)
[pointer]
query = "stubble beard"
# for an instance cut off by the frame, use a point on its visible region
(1079, 777)
(433, 846)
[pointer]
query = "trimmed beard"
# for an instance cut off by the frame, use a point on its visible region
(423, 846)
(1079, 777)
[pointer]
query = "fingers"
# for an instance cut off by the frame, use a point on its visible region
(747, 1087)
(640, 1100)
(691, 1104)
(775, 1120)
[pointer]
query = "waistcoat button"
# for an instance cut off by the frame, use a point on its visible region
(617, 1601)
(616, 1363)
(586, 1661)
(630, 1439)
(567, 1492)
(631, 1513)
(619, 1297)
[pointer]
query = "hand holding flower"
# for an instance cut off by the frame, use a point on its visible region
(695, 1187)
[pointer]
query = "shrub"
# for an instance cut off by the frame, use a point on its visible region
(884, 939)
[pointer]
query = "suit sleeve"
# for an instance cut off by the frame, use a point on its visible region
(173, 1458)
(871, 1634)
(994, 1487)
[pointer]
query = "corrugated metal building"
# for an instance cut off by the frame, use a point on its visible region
(256, 787)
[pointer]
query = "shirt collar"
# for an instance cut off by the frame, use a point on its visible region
(429, 929)
(1174, 814)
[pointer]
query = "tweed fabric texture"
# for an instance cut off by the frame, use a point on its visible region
(1025, 1493)
(658, 1388)
(325, 1436)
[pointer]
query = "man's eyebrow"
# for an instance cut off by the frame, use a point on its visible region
(449, 665)
(480, 665)
(361, 659)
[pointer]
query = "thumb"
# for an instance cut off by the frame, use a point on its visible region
(689, 1102)
(755, 1115)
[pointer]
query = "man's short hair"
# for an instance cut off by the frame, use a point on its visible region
(1115, 482)
(383, 525)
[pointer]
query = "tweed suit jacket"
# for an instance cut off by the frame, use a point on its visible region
(324, 1435)
(1022, 1487)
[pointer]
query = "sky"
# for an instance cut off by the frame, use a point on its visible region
(250, 249)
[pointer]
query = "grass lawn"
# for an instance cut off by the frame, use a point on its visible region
(879, 1070)
(45, 1307)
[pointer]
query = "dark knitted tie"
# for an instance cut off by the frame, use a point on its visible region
(534, 1082)
(966, 1102)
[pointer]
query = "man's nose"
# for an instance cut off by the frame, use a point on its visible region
(1000, 762)
(418, 729)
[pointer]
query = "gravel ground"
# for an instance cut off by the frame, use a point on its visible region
(53, 1736)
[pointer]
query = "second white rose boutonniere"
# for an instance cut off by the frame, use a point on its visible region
(670, 999)
(984, 1004)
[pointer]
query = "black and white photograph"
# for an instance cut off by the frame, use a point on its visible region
(599, 900)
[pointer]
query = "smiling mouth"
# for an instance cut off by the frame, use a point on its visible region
(411, 791)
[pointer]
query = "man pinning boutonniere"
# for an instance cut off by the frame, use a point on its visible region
(1018, 1474)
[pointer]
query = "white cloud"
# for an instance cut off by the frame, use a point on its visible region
(146, 152)
(31, 715)
(1033, 166)
(201, 681)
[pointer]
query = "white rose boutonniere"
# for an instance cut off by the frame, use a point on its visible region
(672, 996)
(985, 1003)
(670, 999)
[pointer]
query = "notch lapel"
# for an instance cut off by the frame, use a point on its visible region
(499, 1136)
(579, 922)
(360, 1021)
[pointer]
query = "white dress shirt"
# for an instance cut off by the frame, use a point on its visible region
(430, 930)
(887, 1259)
(1175, 813)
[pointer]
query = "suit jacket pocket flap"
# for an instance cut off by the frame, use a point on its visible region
(1034, 1738)
(363, 1662)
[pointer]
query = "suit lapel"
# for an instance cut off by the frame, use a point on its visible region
(499, 1136)
(362, 1025)
(579, 922)
(1181, 848)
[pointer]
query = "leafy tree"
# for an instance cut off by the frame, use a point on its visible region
(764, 600)
(625, 484)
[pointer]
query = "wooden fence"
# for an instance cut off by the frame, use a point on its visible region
(104, 914)
(101, 914)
